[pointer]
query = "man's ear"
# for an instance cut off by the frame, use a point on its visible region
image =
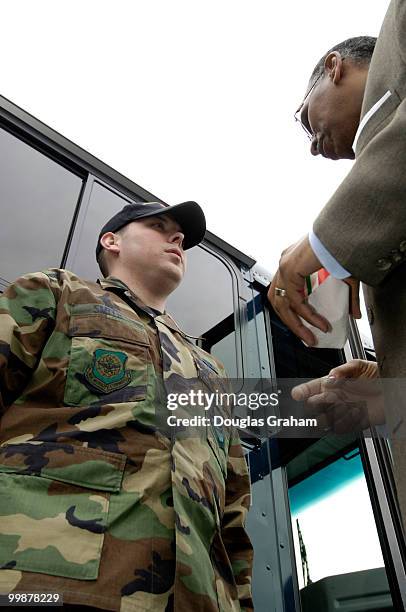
(333, 65)
(110, 242)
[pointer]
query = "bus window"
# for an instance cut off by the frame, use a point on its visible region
(338, 554)
(33, 188)
(203, 305)
(102, 205)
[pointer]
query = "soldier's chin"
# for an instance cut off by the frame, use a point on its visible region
(174, 273)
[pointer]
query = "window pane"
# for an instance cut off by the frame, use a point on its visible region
(207, 285)
(102, 206)
(38, 199)
(338, 553)
(224, 350)
(203, 306)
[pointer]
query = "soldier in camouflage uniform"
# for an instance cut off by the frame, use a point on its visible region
(97, 502)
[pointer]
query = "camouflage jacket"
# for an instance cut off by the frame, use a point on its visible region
(97, 502)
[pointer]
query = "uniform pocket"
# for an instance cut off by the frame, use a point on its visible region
(54, 506)
(108, 361)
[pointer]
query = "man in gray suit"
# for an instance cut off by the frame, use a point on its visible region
(360, 235)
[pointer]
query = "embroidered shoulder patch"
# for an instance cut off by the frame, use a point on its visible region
(107, 372)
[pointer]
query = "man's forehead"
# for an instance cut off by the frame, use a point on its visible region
(167, 218)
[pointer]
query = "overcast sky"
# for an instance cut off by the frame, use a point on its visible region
(190, 99)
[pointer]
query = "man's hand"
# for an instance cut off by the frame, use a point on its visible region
(296, 262)
(349, 398)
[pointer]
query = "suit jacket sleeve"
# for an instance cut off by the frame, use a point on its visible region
(364, 224)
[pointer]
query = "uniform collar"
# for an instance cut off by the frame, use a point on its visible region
(111, 281)
(167, 320)
(119, 287)
(161, 317)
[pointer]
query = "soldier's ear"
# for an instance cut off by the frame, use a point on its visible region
(110, 242)
(333, 64)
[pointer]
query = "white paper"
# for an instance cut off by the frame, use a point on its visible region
(331, 299)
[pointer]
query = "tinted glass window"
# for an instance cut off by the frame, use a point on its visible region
(207, 291)
(38, 199)
(203, 306)
(103, 204)
(338, 553)
(224, 349)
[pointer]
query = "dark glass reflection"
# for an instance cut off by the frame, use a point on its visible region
(38, 199)
(203, 306)
(102, 206)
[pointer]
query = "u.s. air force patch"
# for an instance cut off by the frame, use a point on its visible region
(107, 372)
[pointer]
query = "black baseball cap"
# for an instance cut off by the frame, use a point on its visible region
(189, 215)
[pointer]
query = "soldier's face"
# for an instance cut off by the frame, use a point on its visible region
(154, 247)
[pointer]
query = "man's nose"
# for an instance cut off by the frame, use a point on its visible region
(314, 149)
(178, 238)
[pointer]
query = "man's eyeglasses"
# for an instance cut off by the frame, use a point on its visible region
(297, 116)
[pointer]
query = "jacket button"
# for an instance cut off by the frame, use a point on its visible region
(370, 314)
(402, 246)
(396, 256)
(383, 264)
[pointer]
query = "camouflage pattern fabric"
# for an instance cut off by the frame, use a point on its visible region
(96, 502)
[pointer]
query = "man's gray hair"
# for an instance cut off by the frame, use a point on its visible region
(358, 49)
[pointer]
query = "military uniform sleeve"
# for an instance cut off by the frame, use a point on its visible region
(234, 535)
(27, 317)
